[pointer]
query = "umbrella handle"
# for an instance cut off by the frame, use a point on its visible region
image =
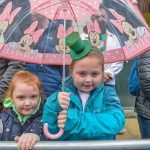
(52, 136)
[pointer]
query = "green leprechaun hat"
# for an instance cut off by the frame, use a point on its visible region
(78, 48)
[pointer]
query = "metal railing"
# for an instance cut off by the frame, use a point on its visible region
(84, 145)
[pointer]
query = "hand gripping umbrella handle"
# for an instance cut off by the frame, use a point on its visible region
(52, 136)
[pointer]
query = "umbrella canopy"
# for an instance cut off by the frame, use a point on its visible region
(34, 31)
(127, 23)
(70, 9)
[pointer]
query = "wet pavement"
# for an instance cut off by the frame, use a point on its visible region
(131, 127)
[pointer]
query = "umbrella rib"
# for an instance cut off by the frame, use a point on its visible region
(36, 8)
(87, 9)
(72, 12)
(57, 12)
(39, 7)
(89, 6)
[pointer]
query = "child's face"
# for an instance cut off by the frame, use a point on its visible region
(87, 74)
(26, 98)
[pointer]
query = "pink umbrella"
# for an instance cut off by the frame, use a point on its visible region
(72, 10)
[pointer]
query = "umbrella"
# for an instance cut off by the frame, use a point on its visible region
(22, 22)
(28, 28)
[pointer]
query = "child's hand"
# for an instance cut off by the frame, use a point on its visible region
(106, 77)
(64, 99)
(62, 118)
(26, 141)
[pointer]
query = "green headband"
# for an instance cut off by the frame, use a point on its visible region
(95, 49)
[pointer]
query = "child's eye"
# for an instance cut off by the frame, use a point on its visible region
(34, 96)
(95, 74)
(20, 97)
(82, 74)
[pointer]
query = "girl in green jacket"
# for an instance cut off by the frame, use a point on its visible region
(86, 109)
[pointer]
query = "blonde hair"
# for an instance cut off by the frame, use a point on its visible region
(91, 54)
(23, 77)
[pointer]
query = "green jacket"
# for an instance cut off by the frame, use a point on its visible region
(102, 119)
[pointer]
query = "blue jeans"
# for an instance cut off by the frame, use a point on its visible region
(144, 125)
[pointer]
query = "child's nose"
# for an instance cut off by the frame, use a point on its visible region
(88, 79)
(27, 101)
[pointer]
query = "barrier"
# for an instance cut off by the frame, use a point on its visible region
(84, 145)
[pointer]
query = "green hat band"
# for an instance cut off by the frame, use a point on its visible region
(95, 49)
(79, 48)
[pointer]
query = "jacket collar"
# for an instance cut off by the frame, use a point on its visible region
(75, 95)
